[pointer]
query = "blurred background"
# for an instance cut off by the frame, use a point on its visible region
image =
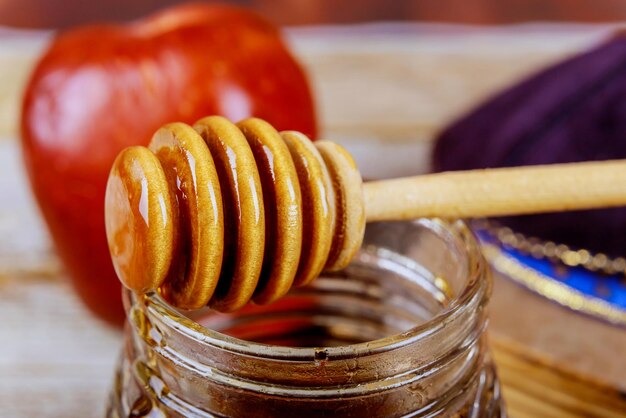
(65, 13)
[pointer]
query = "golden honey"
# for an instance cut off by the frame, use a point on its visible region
(222, 214)
(399, 332)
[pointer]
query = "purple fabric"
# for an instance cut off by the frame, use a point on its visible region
(573, 111)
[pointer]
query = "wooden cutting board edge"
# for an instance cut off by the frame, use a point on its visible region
(534, 386)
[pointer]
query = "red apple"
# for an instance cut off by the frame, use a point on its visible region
(99, 89)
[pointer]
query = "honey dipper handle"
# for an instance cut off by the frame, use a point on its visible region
(498, 192)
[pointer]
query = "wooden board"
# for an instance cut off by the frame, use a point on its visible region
(533, 387)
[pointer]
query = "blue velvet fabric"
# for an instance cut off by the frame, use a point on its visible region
(572, 111)
(611, 289)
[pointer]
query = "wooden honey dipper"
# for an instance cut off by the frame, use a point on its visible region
(221, 214)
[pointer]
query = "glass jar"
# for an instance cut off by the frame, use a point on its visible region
(399, 333)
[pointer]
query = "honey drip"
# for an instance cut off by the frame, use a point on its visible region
(222, 213)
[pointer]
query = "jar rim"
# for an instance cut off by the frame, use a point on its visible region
(457, 231)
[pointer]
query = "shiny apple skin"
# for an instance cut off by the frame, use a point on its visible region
(99, 89)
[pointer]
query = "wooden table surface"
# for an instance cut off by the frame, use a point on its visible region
(57, 361)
